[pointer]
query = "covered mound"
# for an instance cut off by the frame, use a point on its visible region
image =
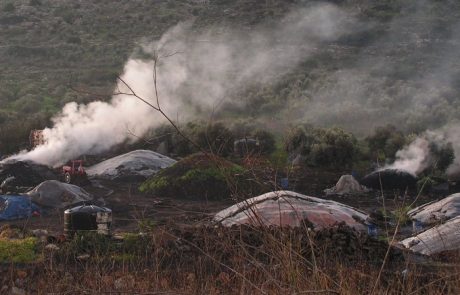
(16, 207)
(347, 185)
(286, 208)
(437, 211)
(389, 179)
(26, 174)
(133, 166)
(199, 176)
(444, 237)
(56, 194)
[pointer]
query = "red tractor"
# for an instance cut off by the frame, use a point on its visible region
(74, 172)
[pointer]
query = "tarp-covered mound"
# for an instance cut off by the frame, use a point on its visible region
(347, 185)
(133, 166)
(438, 211)
(16, 207)
(27, 174)
(286, 208)
(389, 179)
(441, 238)
(56, 194)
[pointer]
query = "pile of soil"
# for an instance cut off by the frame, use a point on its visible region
(133, 166)
(26, 174)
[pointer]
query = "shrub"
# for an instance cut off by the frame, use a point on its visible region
(322, 146)
(385, 142)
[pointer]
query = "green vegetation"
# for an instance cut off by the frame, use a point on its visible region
(18, 250)
(199, 177)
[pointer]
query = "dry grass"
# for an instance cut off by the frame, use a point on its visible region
(227, 261)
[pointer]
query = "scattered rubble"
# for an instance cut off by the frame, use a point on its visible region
(441, 238)
(347, 185)
(133, 166)
(286, 208)
(389, 179)
(437, 211)
(56, 194)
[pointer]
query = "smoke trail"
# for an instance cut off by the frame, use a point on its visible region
(208, 67)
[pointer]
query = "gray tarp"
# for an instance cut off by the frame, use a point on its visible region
(56, 194)
(435, 240)
(286, 208)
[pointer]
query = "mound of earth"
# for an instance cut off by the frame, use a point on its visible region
(347, 185)
(389, 179)
(286, 208)
(437, 211)
(56, 194)
(26, 174)
(199, 176)
(133, 166)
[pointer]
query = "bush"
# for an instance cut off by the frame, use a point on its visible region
(385, 142)
(322, 146)
(266, 140)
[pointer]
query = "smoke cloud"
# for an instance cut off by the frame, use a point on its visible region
(196, 72)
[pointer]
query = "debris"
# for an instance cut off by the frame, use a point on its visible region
(286, 208)
(133, 166)
(83, 257)
(124, 283)
(389, 179)
(347, 185)
(437, 211)
(56, 194)
(16, 207)
(441, 238)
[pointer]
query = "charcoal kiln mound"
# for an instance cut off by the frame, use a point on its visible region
(133, 166)
(389, 179)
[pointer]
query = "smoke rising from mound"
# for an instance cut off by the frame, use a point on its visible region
(202, 69)
(417, 156)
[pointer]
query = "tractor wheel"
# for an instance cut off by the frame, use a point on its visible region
(67, 177)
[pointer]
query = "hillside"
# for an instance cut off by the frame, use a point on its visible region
(397, 64)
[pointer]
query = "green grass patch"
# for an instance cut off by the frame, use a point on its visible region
(18, 250)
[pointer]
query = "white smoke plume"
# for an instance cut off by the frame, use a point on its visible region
(417, 156)
(414, 158)
(202, 69)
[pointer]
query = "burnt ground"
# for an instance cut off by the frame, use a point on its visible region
(133, 210)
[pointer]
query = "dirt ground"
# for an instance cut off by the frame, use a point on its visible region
(132, 209)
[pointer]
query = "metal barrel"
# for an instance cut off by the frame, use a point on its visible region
(87, 218)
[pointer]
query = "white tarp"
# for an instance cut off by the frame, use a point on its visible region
(438, 211)
(347, 185)
(440, 238)
(139, 163)
(56, 194)
(286, 208)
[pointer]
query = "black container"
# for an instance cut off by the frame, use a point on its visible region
(87, 218)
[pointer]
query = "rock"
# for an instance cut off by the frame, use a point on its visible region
(17, 291)
(124, 283)
(52, 248)
(347, 185)
(83, 257)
